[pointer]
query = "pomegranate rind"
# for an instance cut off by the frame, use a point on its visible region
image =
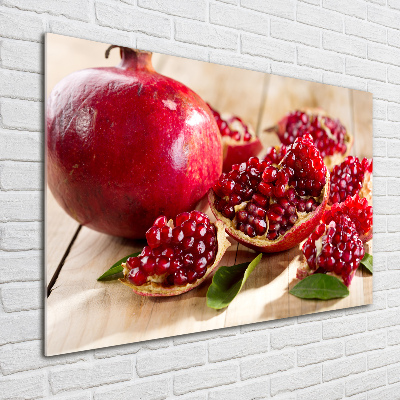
(155, 289)
(237, 152)
(303, 227)
(330, 161)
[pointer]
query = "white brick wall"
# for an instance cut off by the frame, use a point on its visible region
(352, 353)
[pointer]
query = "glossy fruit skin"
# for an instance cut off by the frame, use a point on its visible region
(126, 144)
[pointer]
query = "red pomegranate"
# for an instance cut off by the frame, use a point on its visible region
(272, 208)
(239, 141)
(126, 145)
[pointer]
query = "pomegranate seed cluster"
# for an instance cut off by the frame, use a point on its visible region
(354, 207)
(341, 249)
(225, 127)
(175, 256)
(275, 154)
(272, 193)
(347, 178)
(328, 134)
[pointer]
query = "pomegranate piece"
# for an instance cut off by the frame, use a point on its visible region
(178, 256)
(120, 146)
(351, 177)
(272, 208)
(239, 140)
(334, 248)
(330, 137)
(359, 211)
(275, 154)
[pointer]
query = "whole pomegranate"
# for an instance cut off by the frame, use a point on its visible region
(126, 145)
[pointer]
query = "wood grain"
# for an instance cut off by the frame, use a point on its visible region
(84, 314)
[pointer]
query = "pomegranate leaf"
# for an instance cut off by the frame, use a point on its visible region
(320, 286)
(227, 283)
(367, 262)
(116, 269)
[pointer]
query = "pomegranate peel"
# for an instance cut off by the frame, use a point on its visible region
(154, 285)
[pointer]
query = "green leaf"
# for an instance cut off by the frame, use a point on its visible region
(116, 269)
(227, 283)
(320, 286)
(367, 261)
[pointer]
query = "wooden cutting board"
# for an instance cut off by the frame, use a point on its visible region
(82, 313)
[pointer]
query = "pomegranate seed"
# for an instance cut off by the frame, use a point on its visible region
(137, 277)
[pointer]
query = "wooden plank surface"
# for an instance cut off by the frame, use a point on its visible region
(83, 313)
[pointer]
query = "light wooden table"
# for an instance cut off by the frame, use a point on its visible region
(82, 313)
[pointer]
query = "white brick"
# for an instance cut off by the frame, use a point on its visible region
(387, 393)
(247, 391)
(384, 16)
(394, 4)
(284, 9)
(270, 48)
(243, 346)
(319, 17)
(344, 44)
(386, 129)
(152, 363)
(23, 56)
(296, 71)
(365, 342)
(20, 236)
(393, 298)
(380, 226)
(379, 206)
(173, 48)
(365, 30)
(365, 382)
(16, 175)
(318, 353)
(238, 18)
(394, 75)
(344, 327)
(383, 319)
(393, 374)
(383, 54)
(22, 296)
(295, 32)
(389, 242)
(379, 111)
(354, 8)
(393, 260)
(29, 356)
(130, 19)
(275, 323)
(296, 335)
(76, 9)
(26, 386)
(380, 261)
(379, 301)
(89, 375)
(22, 114)
(206, 335)
(17, 145)
(381, 167)
(393, 336)
(380, 359)
(17, 25)
(365, 69)
(91, 32)
(23, 206)
(344, 367)
(393, 187)
(299, 379)
(330, 391)
(205, 35)
(379, 188)
(393, 112)
(239, 60)
(394, 226)
(19, 327)
(320, 59)
(194, 9)
(344, 81)
(315, 2)
(393, 147)
(267, 364)
(205, 377)
(384, 91)
(321, 316)
(393, 38)
(153, 389)
(11, 262)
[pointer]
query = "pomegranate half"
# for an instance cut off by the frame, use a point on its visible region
(272, 208)
(126, 144)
